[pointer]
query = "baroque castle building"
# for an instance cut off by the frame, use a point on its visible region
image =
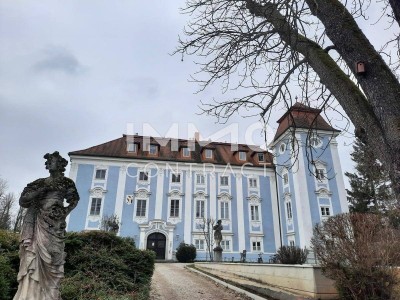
(162, 190)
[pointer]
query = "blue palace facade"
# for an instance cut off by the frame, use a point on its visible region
(162, 190)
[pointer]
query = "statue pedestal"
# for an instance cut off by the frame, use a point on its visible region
(218, 254)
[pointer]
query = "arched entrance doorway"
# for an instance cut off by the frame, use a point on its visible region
(156, 242)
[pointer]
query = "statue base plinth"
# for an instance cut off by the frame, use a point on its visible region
(218, 254)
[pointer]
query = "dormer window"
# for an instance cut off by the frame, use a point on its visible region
(185, 152)
(260, 157)
(242, 155)
(208, 154)
(315, 141)
(153, 149)
(132, 147)
(143, 176)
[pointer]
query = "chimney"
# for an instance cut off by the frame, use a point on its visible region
(197, 136)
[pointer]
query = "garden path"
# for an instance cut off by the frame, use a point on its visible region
(171, 281)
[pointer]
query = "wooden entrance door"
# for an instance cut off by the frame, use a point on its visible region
(156, 242)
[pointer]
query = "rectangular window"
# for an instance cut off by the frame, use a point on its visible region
(153, 149)
(254, 213)
(131, 147)
(256, 246)
(208, 153)
(141, 208)
(325, 211)
(260, 156)
(176, 178)
(224, 210)
(242, 155)
(200, 208)
(95, 207)
(143, 176)
(225, 244)
(174, 212)
(185, 152)
(224, 180)
(253, 182)
(289, 210)
(199, 244)
(101, 174)
(285, 179)
(320, 174)
(200, 179)
(291, 243)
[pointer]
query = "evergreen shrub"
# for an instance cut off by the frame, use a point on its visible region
(291, 255)
(9, 264)
(185, 252)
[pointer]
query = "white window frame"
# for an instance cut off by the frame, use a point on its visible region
(282, 148)
(255, 248)
(151, 147)
(253, 182)
(314, 141)
(227, 181)
(224, 244)
(227, 210)
(145, 173)
(318, 172)
(176, 176)
(100, 170)
(201, 181)
(145, 208)
(242, 156)
(186, 152)
(199, 244)
(134, 147)
(202, 213)
(100, 208)
(322, 211)
(289, 210)
(291, 240)
(170, 208)
(256, 217)
(208, 153)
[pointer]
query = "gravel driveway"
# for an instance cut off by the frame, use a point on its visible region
(171, 281)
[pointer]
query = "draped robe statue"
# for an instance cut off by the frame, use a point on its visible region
(41, 251)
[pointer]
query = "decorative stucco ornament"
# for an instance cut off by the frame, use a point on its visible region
(41, 251)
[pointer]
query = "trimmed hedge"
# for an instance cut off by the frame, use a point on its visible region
(291, 255)
(185, 252)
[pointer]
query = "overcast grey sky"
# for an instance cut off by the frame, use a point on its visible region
(73, 74)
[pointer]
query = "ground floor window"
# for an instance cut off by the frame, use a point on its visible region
(199, 244)
(256, 246)
(226, 245)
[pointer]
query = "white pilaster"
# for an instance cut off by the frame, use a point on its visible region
(159, 194)
(344, 206)
(73, 173)
(213, 196)
(120, 197)
(301, 196)
(275, 211)
(240, 210)
(187, 231)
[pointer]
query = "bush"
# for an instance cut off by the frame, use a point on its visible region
(360, 253)
(185, 252)
(101, 265)
(291, 255)
(9, 264)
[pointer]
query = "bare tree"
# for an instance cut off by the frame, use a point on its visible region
(207, 227)
(316, 44)
(110, 223)
(7, 201)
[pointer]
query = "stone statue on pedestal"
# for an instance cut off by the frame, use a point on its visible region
(41, 252)
(218, 238)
